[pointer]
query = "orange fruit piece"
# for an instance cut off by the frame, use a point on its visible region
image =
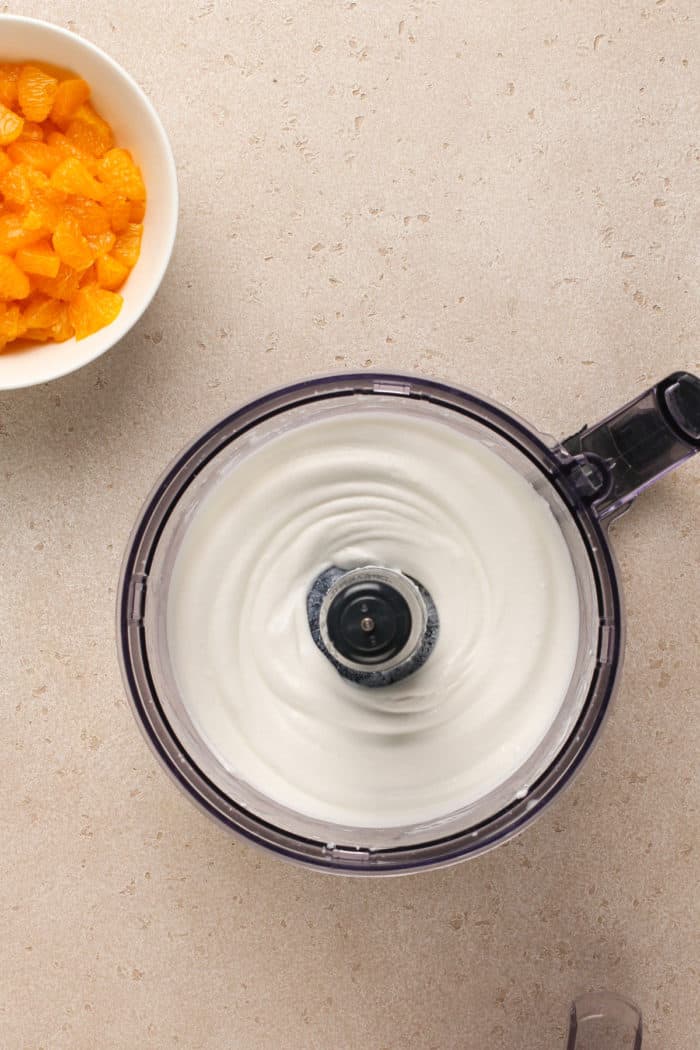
(70, 95)
(13, 283)
(39, 259)
(44, 211)
(41, 312)
(10, 125)
(11, 324)
(111, 272)
(71, 245)
(45, 319)
(102, 243)
(36, 91)
(69, 149)
(5, 162)
(31, 132)
(38, 335)
(62, 329)
(128, 246)
(63, 287)
(137, 211)
(38, 154)
(24, 184)
(16, 185)
(14, 236)
(73, 177)
(88, 276)
(92, 217)
(90, 132)
(9, 75)
(92, 309)
(119, 210)
(118, 171)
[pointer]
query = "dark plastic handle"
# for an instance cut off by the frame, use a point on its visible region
(601, 1021)
(652, 435)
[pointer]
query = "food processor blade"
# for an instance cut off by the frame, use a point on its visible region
(375, 625)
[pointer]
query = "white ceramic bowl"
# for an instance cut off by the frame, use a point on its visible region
(122, 103)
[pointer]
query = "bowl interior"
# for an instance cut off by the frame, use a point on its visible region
(136, 127)
(191, 760)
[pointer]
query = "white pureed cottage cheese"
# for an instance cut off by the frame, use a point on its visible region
(373, 488)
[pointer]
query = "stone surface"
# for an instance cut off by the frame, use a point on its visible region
(501, 194)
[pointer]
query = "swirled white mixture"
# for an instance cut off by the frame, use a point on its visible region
(373, 488)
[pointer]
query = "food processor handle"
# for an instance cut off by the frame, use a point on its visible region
(652, 435)
(602, 1021)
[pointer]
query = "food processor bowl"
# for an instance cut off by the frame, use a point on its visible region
(603, 1021)
(586, 480)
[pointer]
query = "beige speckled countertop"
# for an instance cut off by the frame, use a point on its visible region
(501, 193)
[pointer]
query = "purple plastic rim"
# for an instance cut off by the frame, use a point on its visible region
(151, 717)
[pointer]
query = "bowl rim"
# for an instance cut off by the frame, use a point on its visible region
(166, 242)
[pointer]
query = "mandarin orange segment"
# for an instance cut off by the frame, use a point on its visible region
(71, 176)
(38, 335)
(41, 312)
(14, 235)
(137, 211)
(118, 171)
(31, 132)
(39, 259)
(71, 245)
(64, 286)
(92, 309)
(10, 125)
(49, 310)
(92, 217)
(88, 276)
(5, 162)
(69, 149)
(11, 324)
(102, 243)
(36, 91)
(44, 211)
(15, 185)
(48, 128)
(128, 245)
(62, 329)
(90, 132)
(37, 154)
(119, 211)
(24, 185)
(9, 75)
(111, 272)
(70, 96)
(13, 283)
